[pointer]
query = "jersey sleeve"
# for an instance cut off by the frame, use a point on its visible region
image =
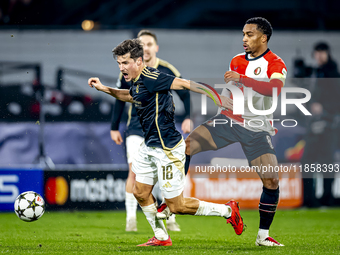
(231, 65)
(237, 64)
(158, 81)
(117, 112)
(277, 70)
(118, 108)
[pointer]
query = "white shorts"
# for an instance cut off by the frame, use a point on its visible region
(153, 164)
(133, 143)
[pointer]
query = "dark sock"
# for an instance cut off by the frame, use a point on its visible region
(187, 163)
(267, 207)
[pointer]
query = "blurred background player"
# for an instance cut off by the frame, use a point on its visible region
(321, 136)
(134, 133)
(262, 70)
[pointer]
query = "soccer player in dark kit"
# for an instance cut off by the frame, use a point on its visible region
(161, 157)
(134, 131)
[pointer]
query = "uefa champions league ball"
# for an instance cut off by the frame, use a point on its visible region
(29, 206)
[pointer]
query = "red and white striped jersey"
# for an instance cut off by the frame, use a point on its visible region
(264, 68)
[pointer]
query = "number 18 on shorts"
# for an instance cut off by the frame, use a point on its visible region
(153, 164)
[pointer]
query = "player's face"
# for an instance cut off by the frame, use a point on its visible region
(128, 66)
(253, 39)
(321, 57)
(150, 47)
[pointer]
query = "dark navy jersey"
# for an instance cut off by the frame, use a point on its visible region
(133, 123)
(155, 108)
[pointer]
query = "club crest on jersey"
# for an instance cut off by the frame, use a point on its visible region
(137, 89)
(257, 71)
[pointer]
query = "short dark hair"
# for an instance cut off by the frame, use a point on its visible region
(321, 46)
(132, 46)
(263, 25)
(147, 32)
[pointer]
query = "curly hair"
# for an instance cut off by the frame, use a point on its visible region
(132, 46)
(263, 25)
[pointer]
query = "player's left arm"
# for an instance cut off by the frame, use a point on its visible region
(158, 81)
(277, 73)
(221, 101)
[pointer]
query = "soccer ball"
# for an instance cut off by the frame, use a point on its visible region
(29, 206)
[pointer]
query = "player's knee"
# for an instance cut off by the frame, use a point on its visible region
(139, 194)
(271, 183)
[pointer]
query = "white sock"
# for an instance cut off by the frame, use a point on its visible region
(171, 219)
(211, 209)
(157, 225)
(263, 233)
(130, 205)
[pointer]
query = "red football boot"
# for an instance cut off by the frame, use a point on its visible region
(235, 219)
(155, 242)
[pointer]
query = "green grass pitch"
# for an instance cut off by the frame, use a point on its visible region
(302, 231)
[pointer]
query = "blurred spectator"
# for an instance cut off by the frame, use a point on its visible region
(321, 133)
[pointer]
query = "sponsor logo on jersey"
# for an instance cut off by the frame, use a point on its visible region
(257, 71)
(235, 68)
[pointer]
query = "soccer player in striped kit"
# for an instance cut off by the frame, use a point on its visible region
(262, 70)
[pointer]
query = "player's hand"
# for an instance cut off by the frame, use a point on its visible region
(94, 82)
(187, 126)
(116, 137)
(231, 76)
(227, 103)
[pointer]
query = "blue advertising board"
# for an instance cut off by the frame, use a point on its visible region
(15, 181)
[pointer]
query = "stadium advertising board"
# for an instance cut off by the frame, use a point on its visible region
(15, 181)
(88, 190)
(244, 187)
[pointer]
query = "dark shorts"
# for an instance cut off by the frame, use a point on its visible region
(254, 144)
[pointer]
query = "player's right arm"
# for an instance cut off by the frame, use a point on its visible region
(118, 112)
(120, 94)
(276, 72)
